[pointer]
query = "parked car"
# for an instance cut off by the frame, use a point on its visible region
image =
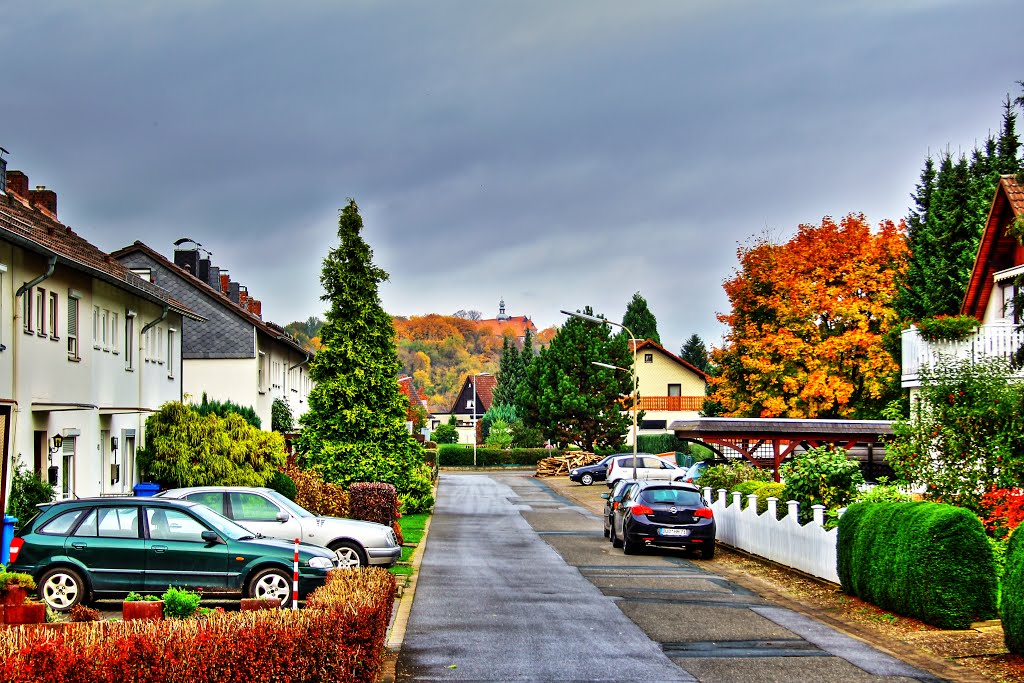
(697, 468)
(355, 543)
(80, 549)
(612, 500)
(663, 515)
(647, 467)
(588, 474)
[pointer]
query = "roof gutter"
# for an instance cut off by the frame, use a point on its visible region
(301, 362)
(51, 264)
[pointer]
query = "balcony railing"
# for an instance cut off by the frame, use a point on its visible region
(652, 403)
(998, 340)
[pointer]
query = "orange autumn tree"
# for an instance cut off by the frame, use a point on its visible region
(808, 321)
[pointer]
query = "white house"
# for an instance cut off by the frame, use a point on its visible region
(87, 351)
(669, 388)
(990, 291)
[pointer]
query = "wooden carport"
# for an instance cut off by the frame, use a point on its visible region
(767, 442)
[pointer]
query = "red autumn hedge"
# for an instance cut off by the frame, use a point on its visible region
(339, 636)
(374, 502)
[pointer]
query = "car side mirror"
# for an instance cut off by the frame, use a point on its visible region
(211, 537)
(283, 516)
(605, 496)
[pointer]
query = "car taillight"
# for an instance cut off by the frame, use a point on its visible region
(16, 544)
(642, 510)
(703, 512)
(615, 505)
(688, 480)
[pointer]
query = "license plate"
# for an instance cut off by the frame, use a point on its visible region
(673, 532)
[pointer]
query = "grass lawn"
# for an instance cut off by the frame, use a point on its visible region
(412, 532)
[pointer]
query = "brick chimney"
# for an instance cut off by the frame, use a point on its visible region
(44, 200)
(225, 282)
(17, 184)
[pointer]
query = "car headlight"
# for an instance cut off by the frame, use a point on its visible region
(321, 563)
(574, 472)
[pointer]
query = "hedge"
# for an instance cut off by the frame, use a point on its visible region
(925, 560)
(455, 455)
(373, 502)
(1012, 606)
(339, 636)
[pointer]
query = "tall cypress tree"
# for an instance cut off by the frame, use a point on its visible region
(639, 319)
(355, 427)
(695, 353)
(509, 374)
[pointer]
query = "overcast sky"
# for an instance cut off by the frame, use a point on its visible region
(558, 154)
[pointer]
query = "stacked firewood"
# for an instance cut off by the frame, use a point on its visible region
(563, 464)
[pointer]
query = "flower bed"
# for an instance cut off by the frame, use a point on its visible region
(338, 637)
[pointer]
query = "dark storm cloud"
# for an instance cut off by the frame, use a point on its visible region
(557, 154)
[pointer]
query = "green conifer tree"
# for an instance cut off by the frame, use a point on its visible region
(911, 299)
(640, 321)
(355, 429)
(509, 374)
(695, 353)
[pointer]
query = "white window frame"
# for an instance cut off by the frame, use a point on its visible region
(261, 359)
(26, 310)
(171, 334)
(96, 327)
(129, 340)
(53, 312)
(114, 333)
(41, 312)
(74, 308)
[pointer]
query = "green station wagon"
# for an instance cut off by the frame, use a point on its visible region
(78, 550)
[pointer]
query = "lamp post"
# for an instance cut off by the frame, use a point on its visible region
(632, 342)
(474, 421)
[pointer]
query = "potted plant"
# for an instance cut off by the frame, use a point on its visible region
(15, 587)
(25, 613)
(137, 606)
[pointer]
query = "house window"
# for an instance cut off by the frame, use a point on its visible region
(26, 311)
(129, 341)
(114, 331)
(41, 312)
(72, 327)
(261, 361)
(675, 390)
(53, 316)
(104, 331)
(1009, 291)
(95, 327)
(159, 345)
(648, 357)
(67, 470)
(170, 352)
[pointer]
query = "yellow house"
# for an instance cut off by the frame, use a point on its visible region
(670, 388)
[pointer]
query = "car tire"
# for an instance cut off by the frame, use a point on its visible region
(606, 532)
(587, 479)
(271, 583)
(348, 554)
(629, 547)
(616, 541)
(62, 588)
(708, 552)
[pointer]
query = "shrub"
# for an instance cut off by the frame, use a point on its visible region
(772, 489)
(180, 603)
(1012, 605)
(316, 495)
(883, 493)
(729, 476)
(821, 476)
(281, 419)
(283, 484)
(925, 560)
(373, 502)
(746, 488)
(445, 434)
(27, 491)
(453, 455)
(135, 597)
(526, 437)
(499, 436)
(82, 613)
(1002, 511)
(947, 327)
(223, 408)
(339, 637)
(497, 411)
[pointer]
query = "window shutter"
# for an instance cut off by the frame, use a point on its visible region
(73, 318)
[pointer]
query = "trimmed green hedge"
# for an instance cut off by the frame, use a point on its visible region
(454, 455)
(1012, 606)
(926, 560)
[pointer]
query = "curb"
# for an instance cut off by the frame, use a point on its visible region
(396, 634)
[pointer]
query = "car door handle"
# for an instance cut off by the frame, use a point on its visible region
(159, 548)
(78, 545)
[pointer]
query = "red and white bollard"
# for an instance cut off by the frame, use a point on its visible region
(295, 577)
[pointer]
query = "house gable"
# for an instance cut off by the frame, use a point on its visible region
(997, 251)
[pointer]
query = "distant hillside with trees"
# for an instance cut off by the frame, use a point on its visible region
(437, 351)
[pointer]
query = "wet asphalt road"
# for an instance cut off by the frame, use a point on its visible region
(519, 584)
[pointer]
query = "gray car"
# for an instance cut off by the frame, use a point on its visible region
(265, 511)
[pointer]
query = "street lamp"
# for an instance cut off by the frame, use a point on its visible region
(632, 342)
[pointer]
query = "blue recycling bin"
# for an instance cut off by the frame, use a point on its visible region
(6, 538)
(145, 488)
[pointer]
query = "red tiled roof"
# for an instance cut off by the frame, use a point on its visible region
(517, 324)
(273, 330)
(485, 385)
(650, 343)
(997, 251)
(31, 229)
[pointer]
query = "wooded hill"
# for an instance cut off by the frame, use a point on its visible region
(438, 351)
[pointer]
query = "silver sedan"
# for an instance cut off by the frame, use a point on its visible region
(265, 511)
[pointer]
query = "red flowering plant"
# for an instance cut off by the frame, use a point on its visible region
(1002, 511)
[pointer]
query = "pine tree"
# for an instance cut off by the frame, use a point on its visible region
(695, 353)
(509, 374)
(355, 429)
(570, 399)
(639, 319)
(911, 302)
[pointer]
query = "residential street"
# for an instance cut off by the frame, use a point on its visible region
(518, 584)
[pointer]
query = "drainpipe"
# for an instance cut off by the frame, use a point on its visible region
(142, 370)
(300, 363)
(51, 264)
(163, 316)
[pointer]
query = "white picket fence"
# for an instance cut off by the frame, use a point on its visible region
(810, 548)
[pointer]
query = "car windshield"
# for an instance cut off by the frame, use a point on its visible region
(221, 524)
(288, 505)
(672, 496)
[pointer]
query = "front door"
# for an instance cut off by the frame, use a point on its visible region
(259, 515)
(109, 545)
(177, 555)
